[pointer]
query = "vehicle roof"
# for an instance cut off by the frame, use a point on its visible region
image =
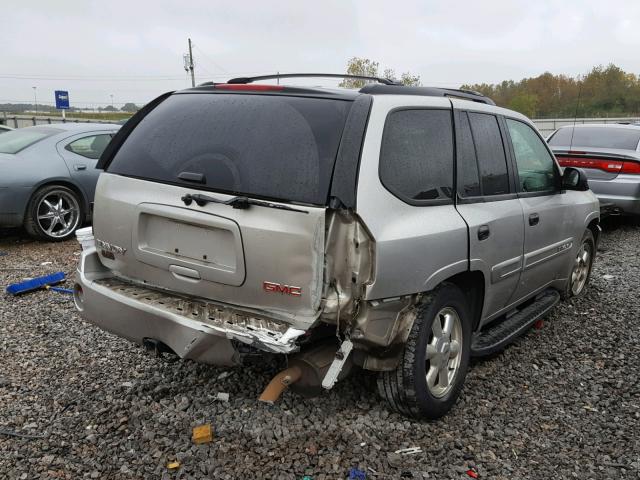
(346, 93)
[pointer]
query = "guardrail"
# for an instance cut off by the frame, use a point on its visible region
(549, 125)
(20, 121)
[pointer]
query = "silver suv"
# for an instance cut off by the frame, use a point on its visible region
(393, 229)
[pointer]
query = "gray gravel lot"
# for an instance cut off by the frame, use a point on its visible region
(562, 402)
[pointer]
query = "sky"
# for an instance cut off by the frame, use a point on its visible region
(132, 51)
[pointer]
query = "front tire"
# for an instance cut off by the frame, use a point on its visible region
(53, 213)
(434, 363)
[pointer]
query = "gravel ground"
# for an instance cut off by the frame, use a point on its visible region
(562, 402)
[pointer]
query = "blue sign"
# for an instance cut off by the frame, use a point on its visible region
(62, 100)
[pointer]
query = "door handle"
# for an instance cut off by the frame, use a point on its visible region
(534, 219)
(78, 167)
(483, 232)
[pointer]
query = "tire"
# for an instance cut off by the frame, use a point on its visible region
(581, 270)
(54, 213)
(406, 389)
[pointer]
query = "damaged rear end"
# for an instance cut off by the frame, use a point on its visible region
(223, 225)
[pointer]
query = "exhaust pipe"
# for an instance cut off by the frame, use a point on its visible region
(279, 383)
(305, 373)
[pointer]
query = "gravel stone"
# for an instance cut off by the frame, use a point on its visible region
(561, 402)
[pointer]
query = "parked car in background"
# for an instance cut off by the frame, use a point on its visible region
(48, 176)
(609, 154)
(4, 128)
(329, 225)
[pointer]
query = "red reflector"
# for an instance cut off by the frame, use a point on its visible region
(249, 87)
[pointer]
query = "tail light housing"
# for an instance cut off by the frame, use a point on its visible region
(604, 164)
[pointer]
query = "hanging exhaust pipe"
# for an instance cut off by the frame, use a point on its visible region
(305, 373)
(279, 383)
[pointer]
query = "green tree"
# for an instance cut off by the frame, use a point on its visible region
(130, 107)
(369, 68)
(525, 103)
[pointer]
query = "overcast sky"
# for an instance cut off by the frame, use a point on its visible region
(133, 49)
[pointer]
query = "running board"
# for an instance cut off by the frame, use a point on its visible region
(498, 336)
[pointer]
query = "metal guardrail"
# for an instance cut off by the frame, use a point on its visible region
(21, 121)
(549, 125)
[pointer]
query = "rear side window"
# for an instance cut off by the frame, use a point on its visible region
(597, 137)
(416, 157)
(490, 153)
(270, 146)
(89, 147)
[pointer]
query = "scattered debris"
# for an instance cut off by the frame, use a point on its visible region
(408, 451)
(46, 263)
(307, 477)
(202, 434)
(36, 283)
(608, 277)
(173, 465)
(126, 384)
(590, 408)
(355, 474)
(222, 396)
(539, 324)
(312, 449)
(224, 375)
(472, 473)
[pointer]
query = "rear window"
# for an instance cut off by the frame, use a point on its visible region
(15, 140)
(275, 147)
(597, 137)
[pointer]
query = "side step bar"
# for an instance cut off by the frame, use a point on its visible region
(498, 336)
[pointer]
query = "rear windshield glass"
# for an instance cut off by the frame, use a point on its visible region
(275, 147)
(16, 140)
(597, 137)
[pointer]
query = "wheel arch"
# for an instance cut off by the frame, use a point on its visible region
(63, 182)
(472, 285)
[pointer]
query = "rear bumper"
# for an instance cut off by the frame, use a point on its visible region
(193, 329)
(623, 192)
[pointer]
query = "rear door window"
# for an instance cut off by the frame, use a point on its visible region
(270, 146)
(490, 152)
(468, 176)
(416, 157)
(597, 137)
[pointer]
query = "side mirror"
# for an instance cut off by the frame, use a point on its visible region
(574, 179)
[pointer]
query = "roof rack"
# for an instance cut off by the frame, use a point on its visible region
(427, 92)
(383, 81)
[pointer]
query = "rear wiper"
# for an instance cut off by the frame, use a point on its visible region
(236, 202)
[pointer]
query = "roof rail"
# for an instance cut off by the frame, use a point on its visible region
(427, 92)
(384, 81)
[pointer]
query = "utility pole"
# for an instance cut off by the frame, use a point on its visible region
(111, 95)
(188, 64)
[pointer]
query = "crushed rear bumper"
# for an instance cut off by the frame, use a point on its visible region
(192, 328)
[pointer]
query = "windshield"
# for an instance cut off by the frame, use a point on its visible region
(16, 140)
(271, 146)
(597, 137)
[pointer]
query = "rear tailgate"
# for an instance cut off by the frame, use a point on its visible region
(275, 149)
(215, 251)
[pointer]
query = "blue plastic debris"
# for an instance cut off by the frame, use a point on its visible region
(37, 283)
(355, 474)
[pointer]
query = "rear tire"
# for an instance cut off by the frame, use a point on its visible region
(54, 213)
(434, 363)
(581, 271)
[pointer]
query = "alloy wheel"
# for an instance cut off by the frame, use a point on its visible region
(58, 213)
(443, 352)
(580, 270)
